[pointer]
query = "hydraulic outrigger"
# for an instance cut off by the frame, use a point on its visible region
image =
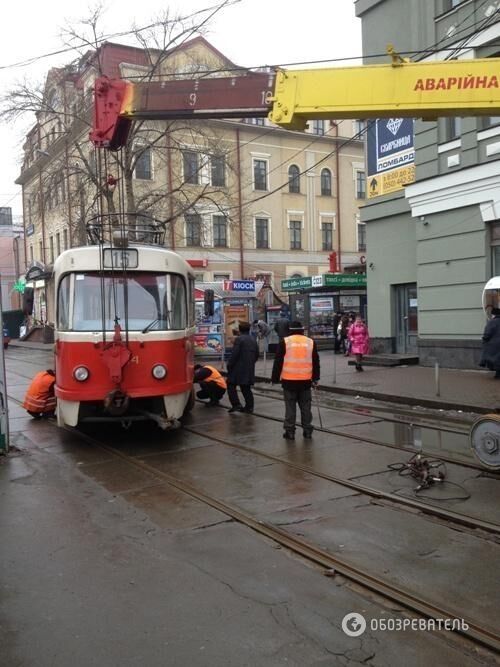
(290, 98)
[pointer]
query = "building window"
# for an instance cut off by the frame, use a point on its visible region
(65, 238)
(260, 174)
(495, 248)
(32, 259)
(199, 277)
(58, 243)
(359, 128)
(40, 251)
(218, 171)
(143, 165)
(318, 127)
(261, 233)
(453, 128)
(295, 234)
(361, 237)
(51, 242)
(190, 161)
(266, 278)
(293, 179)
(219, 277)
(326, 183)
(220, 231)
(255, 121)
(326, 235)
(360, 185)
(193, 229)
(489, 121)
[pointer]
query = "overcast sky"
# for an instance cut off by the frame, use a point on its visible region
(251, 33)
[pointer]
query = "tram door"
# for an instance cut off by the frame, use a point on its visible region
(406, 318)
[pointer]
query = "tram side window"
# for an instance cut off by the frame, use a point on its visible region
(63, 304)
(178, 302)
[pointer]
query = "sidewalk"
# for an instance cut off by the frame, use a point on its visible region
(466, 390)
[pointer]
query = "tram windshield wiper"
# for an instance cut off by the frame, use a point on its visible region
(157, 320)
(149, 326)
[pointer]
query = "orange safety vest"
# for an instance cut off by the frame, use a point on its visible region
(297, 364)
(216, 377)
(40, 395)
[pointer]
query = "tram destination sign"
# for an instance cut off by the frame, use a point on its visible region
(120, 258)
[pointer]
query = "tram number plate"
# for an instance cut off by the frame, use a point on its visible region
(118, 258)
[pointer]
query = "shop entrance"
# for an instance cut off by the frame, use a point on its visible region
(406, 318)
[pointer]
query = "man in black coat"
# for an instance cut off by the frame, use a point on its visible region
(490, 357)
(281, 326)
(241, 369)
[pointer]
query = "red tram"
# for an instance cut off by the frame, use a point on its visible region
(124, 330)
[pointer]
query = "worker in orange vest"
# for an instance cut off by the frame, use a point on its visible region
(296, 365)
(40, 400)
(212, 384)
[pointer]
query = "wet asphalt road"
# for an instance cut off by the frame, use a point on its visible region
(105, 564)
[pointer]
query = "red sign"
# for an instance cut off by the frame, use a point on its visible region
(198, 263)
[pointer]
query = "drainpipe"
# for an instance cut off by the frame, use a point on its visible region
(42, 213)
(23, 196)
(170, 188)
(68, 196)
(240, 205)
(337, 188)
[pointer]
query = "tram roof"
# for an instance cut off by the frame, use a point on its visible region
(151, 258)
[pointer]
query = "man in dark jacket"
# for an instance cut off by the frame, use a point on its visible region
(241, 369)
(296, 365)
(281, 325)
(490, 357)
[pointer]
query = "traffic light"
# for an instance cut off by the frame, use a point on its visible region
(209, 302)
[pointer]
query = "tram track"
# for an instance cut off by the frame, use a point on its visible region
(464, 520)
(470, 629)
(374, 441)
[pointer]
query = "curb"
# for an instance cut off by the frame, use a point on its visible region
(405, 400)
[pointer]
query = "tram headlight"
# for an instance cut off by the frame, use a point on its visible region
(159, 371)
(81, 373)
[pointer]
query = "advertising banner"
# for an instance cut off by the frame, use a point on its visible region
(390, 155)
(233, 315)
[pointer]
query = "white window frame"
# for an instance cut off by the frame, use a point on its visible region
(262, 214)
(221, 272)
(264, 157)
(222, 214)
(358, 223)
(145, 180)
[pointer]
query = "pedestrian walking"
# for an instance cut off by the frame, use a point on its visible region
(490, 356)
(282, 325)
(262, 330)
(342, 330)
(241, 369)
(40, 399)
(212, 384)
(296, 366)
(359, 339)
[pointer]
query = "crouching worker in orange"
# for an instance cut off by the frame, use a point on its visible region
(40, 399)
(212, 384)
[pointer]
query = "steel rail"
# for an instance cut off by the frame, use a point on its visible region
(313, 553)
(473, 631)
(373, 441)
(448, 515)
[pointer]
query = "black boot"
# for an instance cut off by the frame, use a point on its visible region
(358, 367)
(289, 435)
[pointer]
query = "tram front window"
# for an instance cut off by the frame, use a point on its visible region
(156, 302)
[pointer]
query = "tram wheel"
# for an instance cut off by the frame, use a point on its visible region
(485, 440)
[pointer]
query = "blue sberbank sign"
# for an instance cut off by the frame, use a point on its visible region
(326, 280)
